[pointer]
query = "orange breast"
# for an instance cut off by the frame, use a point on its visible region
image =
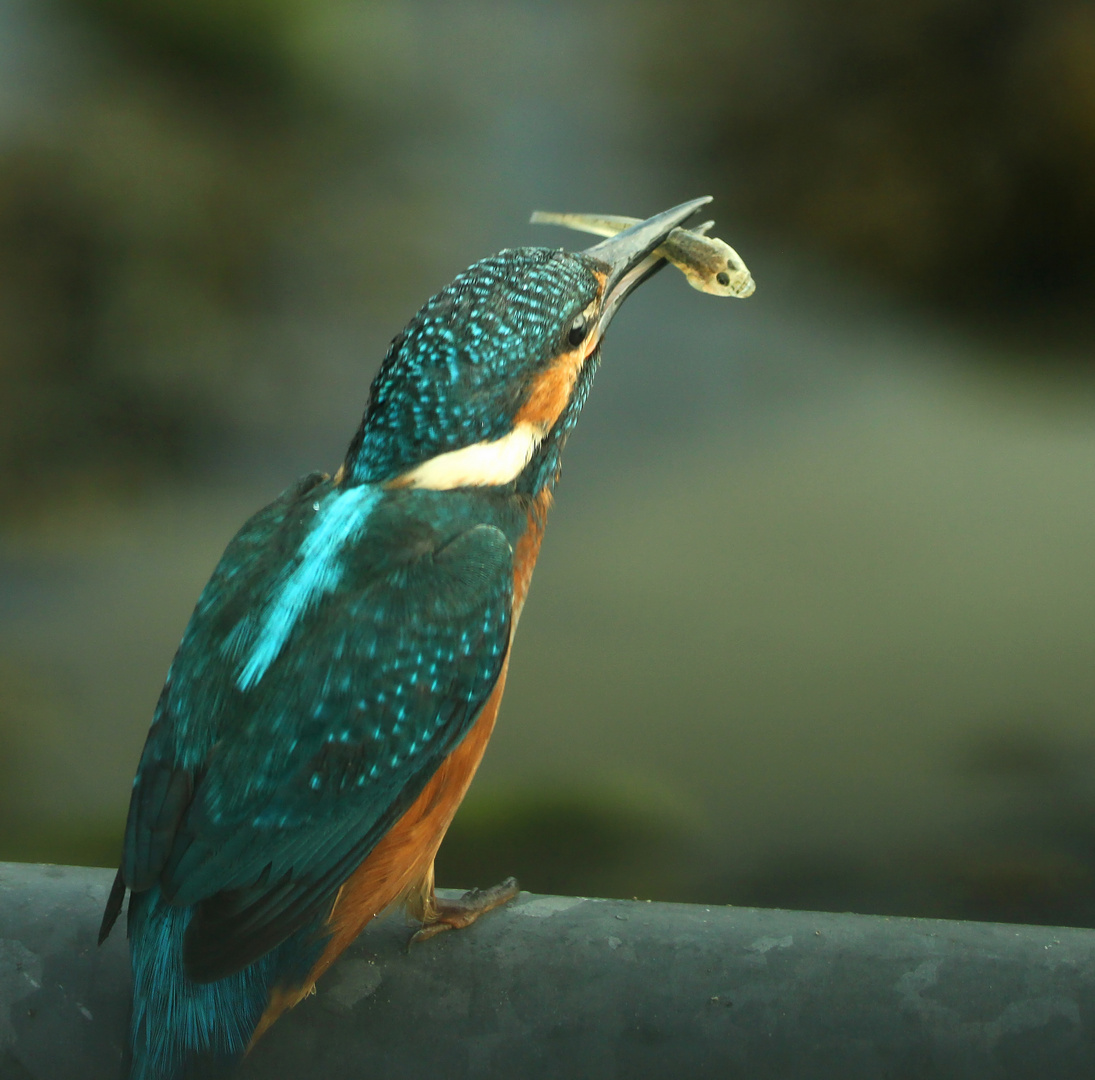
(403, 859)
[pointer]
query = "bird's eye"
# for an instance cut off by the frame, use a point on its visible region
(578, 330)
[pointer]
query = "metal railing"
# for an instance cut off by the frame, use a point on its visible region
(563, 987)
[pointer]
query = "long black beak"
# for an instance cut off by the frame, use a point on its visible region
(628, 257)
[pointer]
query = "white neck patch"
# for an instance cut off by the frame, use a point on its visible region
(483, 464)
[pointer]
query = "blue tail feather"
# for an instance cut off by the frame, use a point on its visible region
(176, 1022)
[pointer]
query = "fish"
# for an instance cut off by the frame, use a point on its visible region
(709, 264)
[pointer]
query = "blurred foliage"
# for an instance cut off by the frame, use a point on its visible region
(944, 146)
(947, 146)
(568, 842)
(239, 41)
(1033, 862)
(70, 844)
(140, 218)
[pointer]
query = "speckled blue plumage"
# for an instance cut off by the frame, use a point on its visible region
(254, 801)
(455, 375)
(343, 647)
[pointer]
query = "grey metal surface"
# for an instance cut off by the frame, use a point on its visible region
(565, 987)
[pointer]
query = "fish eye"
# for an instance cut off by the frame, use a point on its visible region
(578, 329)
(722, 277)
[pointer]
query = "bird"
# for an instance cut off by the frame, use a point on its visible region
(340, 676)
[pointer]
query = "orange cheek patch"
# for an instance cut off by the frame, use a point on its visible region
(550, 391)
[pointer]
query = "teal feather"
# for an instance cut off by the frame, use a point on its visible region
(180, 1026)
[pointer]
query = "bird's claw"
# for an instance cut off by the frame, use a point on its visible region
(456, 914)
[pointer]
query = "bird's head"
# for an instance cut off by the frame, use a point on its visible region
(483, 385)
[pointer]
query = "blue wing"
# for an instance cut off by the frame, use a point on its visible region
(310, 702)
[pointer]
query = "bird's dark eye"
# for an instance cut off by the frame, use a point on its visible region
(578, 329)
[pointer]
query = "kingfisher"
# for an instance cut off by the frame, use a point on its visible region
(340, 676)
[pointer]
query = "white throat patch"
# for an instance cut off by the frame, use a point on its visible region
(483, 464)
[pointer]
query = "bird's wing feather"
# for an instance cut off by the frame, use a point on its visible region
(188, 719)
(259, 817)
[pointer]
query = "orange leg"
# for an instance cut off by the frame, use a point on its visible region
(438, 915)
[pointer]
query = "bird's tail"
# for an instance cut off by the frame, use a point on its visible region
(181, 1028)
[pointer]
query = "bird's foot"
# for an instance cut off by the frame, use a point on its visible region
(456, 914)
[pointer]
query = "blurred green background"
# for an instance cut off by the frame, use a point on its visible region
(814, 624)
